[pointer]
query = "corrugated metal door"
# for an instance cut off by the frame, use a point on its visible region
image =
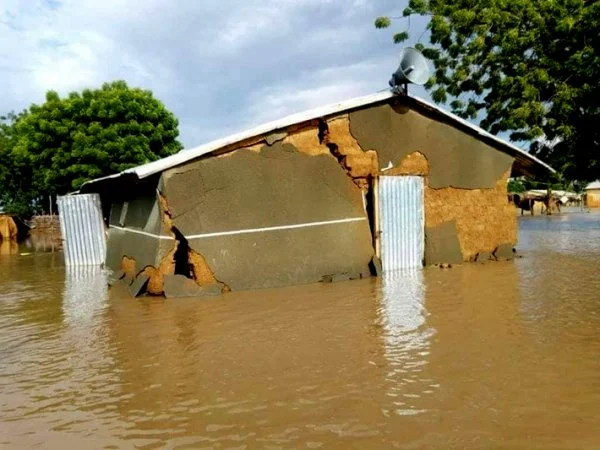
(82, 229)
(401, 214)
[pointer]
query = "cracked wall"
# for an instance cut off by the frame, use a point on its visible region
(484, 219)
(143, 215)
(455, 158)
(461, 224)
(215, 207)
(276, 185)
(466, 208)
(139, 255)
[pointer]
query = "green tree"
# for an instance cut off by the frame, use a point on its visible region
(515, 186)
(17, 195)
(529, 68)
(87, 135)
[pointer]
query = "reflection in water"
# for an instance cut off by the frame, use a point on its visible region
(8, 247)
(86, 292)
(40, 241)
(495, 355)
(406, 338)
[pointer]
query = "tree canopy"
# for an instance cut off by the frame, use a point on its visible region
(67, 141)
(528, 68)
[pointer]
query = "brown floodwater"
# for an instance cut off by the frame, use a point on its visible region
(495, 355)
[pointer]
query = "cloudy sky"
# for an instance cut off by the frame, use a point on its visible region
(220, 65)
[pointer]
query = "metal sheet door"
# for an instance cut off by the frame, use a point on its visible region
(401, 213)
(82, 229)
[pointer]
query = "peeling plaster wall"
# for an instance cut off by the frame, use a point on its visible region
(484, 219)
(315, 172)
(462, 224)
(143, 214)
(274, 186)
(466, 207)
(455, 158)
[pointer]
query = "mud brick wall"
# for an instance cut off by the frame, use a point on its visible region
(47, 224)
(8, 228)
(46, 227)
(593, 199)
(294, 180)
(467, 215)
(210, 214)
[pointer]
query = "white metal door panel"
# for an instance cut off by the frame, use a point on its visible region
(401, 212)
(82, 229)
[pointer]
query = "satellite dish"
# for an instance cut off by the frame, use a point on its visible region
(413, 69)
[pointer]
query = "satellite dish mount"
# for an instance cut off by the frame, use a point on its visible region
(413, 69)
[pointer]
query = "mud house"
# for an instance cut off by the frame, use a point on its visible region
(317, 195)
(592, 195)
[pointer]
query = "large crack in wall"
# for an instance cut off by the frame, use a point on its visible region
(333, 137)
(294, 181)
(179, 260)
(269, 180)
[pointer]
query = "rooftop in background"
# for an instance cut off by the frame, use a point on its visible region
(594, 185)
(528, 164)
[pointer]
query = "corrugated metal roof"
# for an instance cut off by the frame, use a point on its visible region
(594, 185)
(184, 156)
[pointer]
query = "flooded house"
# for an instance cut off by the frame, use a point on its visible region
(592, 195)
(365, 186)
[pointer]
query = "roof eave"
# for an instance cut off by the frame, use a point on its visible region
(527, 163)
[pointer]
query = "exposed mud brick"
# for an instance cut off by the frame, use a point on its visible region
(165, 213)
(128, 267)
(456, 159)
(361, 165)
(484, 218)
(8, 228)
(306, 141)
(245, 190)
(155, 280)
(138, 287)
(202, 272)
(413, 164)
(441, 245)
(593, 198)
(338, 133)
(167, 263)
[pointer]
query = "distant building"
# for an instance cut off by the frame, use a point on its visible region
(325, 194)
(592, 195)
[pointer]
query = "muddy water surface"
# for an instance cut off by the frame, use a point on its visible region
(499, 355)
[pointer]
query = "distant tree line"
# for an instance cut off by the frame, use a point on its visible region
(53, 148)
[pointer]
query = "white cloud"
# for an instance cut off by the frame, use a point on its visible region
(219, 65)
